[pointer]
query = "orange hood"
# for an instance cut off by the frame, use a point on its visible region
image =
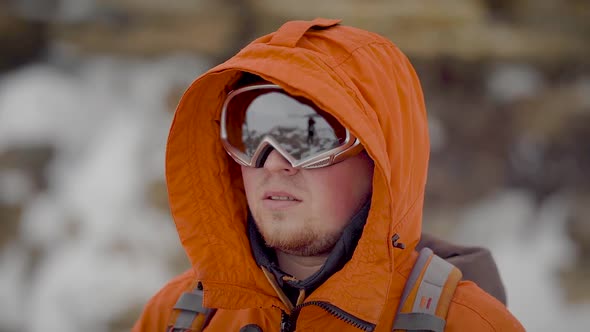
(368, 85)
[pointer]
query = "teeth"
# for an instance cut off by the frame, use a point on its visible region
(282, 198)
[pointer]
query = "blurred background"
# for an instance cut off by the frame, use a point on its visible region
(87, 94)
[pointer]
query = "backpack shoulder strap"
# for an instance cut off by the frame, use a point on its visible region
(189, 314)
(427, 294)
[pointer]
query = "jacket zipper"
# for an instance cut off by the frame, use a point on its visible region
(289, 321)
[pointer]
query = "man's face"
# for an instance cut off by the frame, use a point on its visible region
(303, 212)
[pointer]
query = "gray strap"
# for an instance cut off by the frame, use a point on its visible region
(191, 302)
(432, 285)
(425, 253)
(422, 317)
(184, 320)
(190, 305)
(417, 321)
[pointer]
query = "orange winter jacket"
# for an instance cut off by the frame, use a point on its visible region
(364, 81)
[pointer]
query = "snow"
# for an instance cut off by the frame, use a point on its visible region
(511, 82)
(101, 249)
(530, 246)
(438, 134)
(15, 186)
(13, 261)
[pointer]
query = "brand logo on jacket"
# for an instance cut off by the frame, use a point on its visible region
(425, 302)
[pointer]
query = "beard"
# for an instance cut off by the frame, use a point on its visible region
(296, 237)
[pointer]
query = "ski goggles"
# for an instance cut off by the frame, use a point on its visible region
(258, 118)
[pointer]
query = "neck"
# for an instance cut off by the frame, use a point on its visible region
(298, 266)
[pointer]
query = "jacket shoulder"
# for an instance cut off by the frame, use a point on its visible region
(157, 311)
(472, 309)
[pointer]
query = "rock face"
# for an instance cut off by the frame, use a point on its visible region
(21, 175)
(548, 30)
(574, 278)
(578, 227)
(468, 29)
(151, 28)
(9, 228)
(21, 40)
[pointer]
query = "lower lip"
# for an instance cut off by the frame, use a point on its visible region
(279, 205)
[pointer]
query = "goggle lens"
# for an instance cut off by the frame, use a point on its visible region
(266, 116)
(299, 128)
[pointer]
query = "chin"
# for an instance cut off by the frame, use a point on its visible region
(299, 241)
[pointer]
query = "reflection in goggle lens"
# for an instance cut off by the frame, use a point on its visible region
(299, 128)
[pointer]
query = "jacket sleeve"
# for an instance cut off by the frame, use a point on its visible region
(472, 309)
(156, 313)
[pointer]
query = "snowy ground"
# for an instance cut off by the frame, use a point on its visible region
(530, 246)
(105, 249)
(107, 119)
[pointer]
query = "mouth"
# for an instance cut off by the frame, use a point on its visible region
(280, 197)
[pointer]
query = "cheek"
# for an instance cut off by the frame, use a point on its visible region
(249, 178)
(342, 192)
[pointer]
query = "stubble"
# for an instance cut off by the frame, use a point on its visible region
(296, 237)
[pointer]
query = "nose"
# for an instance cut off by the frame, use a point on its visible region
(275, 162)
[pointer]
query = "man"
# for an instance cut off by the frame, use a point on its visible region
(285, 235)
(310, 129)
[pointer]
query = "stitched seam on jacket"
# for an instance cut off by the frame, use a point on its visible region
(344, 60)
(351, 54)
